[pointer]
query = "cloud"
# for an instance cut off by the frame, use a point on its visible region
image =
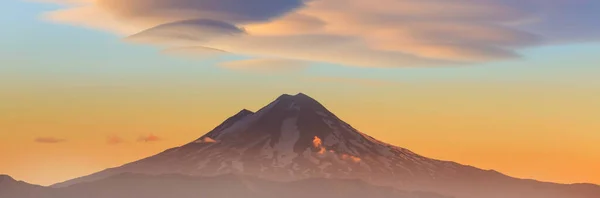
(318, 144)
(355, 81)
(49, 140)
(291, 24)
(322, 151)
(186, 32)
(114, 140)
(320, 48)
(64, 2)
(355, 159)
(149, 138)
(92, 17)
(195, 52)
(265, 65)
(240, 11)
(366, 33)
(206, 140)
(351, 158)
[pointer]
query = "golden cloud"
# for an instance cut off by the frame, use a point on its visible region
(49, 140)
(149, 138)
(114, 140)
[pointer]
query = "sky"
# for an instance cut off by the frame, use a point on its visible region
(497, 84)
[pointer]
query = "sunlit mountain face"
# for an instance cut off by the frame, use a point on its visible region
(294, 146)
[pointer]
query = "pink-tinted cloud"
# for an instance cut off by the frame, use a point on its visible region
(149, 138)
(49, 140)
(368, 33)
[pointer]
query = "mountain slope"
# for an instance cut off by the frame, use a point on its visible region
(295, 137)
(129, 185)
(10, 187)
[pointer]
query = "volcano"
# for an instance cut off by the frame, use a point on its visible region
(295, 138)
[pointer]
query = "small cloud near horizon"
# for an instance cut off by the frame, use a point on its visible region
(114, 140)
(149, 138)
(49, 140)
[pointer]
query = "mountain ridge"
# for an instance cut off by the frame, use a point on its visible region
(6, 178)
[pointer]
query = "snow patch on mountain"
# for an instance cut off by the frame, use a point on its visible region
(287, 139)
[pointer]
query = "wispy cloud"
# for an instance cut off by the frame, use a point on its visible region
(149, 138)
(200, 52)
(114, 140)
(265, 65)
(371, 33)
(49, 140)
(355, 81)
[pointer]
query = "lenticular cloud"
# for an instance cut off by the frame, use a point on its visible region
(369, 33)
(187, 32)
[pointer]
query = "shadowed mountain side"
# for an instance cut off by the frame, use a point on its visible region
(224, 186)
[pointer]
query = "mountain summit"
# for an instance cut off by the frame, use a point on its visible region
(295, 138)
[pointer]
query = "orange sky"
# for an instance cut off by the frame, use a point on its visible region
(523, 100)
(546, 133)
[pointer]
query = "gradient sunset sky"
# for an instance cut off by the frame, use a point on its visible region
(517, 92)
